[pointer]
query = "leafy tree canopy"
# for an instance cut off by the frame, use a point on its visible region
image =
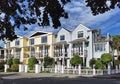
(15, 13)
(76, 60)
(48, 61)
(106, 58)
(116, 42)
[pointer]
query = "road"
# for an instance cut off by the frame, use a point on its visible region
(16, 78)
(48, 80)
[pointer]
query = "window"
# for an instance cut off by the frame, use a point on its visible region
(17, 42)
(80, 34)
(99, 47)
(44, 39)
(62, 37)
(31, 41)
(8, 45)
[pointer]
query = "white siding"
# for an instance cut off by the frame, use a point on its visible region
(64, 32)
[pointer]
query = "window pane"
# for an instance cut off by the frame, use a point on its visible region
(17, 43)
(62, 37)
(31, 41)
(8, 44)
(99, 47)
(80, 34)
(44, 39)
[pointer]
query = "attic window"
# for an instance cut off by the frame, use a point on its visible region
(80, 34)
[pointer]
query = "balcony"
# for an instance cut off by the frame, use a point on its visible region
(59, 54)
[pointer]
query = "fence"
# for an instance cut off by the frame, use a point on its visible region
(62, 70)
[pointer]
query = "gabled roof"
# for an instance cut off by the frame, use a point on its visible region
(37, 33)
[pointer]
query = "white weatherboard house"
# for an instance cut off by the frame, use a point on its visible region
(83, 41)
(87, 43)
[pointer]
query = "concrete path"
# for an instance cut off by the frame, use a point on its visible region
(13, 75)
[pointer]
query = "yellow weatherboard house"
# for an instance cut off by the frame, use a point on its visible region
(38, 44)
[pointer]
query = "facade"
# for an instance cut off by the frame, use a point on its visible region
(83, 41)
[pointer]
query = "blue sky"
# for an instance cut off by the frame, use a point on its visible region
(108, 22)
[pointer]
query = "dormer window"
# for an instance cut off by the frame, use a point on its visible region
(31, 41)
(17, 43)
(62, 37)
(44, 39)
(8, 45)
(80, 34)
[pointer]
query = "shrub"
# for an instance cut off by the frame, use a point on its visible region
(106, 58)
(2, 65)
(116, 62)
(76, 60)
(15, 67)
(10, 61)
(92, 62)
(99, 64)
(31, 62)
(48, 61)
(16, 61)
(9, 70)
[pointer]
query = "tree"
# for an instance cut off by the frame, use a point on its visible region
(92, 62)
(20, 12)
(106, 58)
(116, 62)
(76, 60)
(29, 12)
(48, 61)
(16, 61)
(101, 6)
(31, 62)
(10, 61)
(99, 64)
(116, 42)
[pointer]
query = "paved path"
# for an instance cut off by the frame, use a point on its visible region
(34, 75)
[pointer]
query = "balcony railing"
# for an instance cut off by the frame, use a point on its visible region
(59, 54)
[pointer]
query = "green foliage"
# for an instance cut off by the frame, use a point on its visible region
(10, 61)
(16, 61)
(2, 65)
(76, 60)
(116, 62)
(92, 62)
(31, 62)
(45, 72)
(100, 7)
(106, 58)
(99, 64)
(9, 70)
(48, 61)
(15, 67)
(116, 42)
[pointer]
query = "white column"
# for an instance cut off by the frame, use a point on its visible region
(62, 67)
(14, 51)
(109, 69)
(22, 55)
(56, 68)
(83, 53)
(43, 57)
(94, 71)
(63, 53)
(79, 68)
(5, 54)
(116, 69)
(26, 68)
(6, 67)
(37, 68)
(68, 63)
(21, 68)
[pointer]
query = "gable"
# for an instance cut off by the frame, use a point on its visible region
(81, 27)
(37, 34)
